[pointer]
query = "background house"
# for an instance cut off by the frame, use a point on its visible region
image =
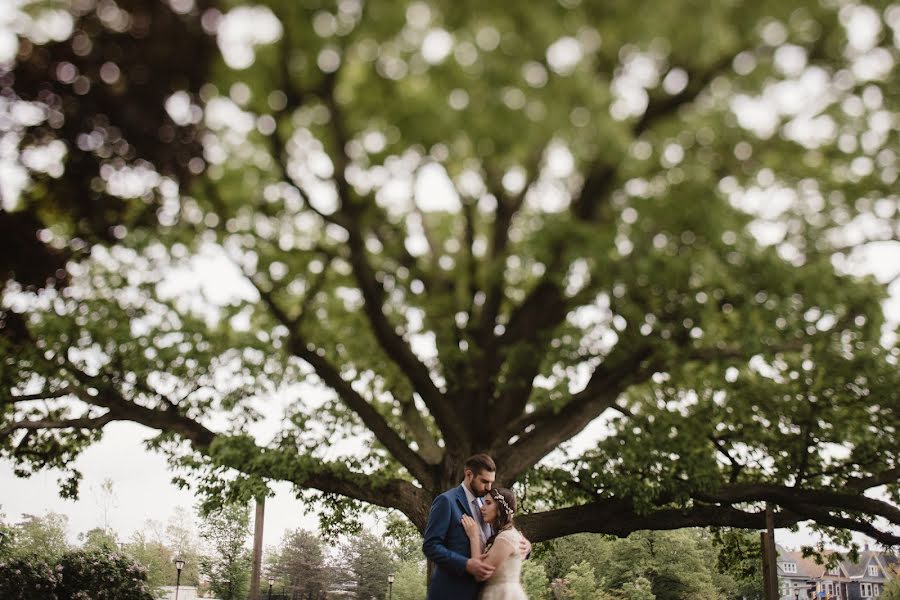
(802, 578)
(868, 576)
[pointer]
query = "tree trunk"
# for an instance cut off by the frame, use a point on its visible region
(257, 547)
(771, 555)
(766, 570)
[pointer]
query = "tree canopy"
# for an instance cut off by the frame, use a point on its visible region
(448, 227)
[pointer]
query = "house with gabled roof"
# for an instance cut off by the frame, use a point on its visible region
(802, 578)
(868, 576)
(797, 576)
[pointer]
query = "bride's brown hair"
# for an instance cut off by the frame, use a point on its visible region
(506, 507)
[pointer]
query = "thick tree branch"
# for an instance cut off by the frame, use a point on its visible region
(550, 427)
(507, 208)
(428, 448)
(545, 307)
(60, 393)
(42, 424)
(373, 292)
(789, 496)
(395, 494)
(396, 347)
(882, 478)
(373, 420)
(305, 472)
(824, 517)
(468, 243)
(599, 183)
(331, 375)
(619, 517)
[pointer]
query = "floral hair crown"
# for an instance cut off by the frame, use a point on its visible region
(499, 498)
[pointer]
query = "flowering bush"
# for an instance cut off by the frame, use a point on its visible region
(77, 575)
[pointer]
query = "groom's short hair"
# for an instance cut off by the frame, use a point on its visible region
(478, 463)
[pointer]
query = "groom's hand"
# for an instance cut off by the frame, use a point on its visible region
(479, 569)
(524, 547)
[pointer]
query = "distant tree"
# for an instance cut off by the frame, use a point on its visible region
(738, 559)
(74, 575)
(535, 580)
(678, 564)
(181, 536)
(409, 580)
(671, 560)
(559, 555)
(891, 591)
(299, 564)
(226, 563)
(99, 538)
(155, 545)
(369, 561)
(155, 556)
(44, 536)
(581, 582)
(403, 537)
(640, 589)
(7, 536)
(105, 498)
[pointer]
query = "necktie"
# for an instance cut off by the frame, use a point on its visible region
(485, 528)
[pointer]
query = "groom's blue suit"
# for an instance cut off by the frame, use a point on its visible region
(447, 545)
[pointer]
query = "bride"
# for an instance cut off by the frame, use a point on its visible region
(502, 549)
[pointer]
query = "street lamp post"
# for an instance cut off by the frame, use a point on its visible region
(271, 583)
(390, 586)
(179, 565)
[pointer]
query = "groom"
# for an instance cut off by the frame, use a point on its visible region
(456, 573)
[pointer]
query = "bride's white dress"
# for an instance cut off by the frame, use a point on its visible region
(505, 583)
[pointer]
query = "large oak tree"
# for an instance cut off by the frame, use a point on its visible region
(472, 228)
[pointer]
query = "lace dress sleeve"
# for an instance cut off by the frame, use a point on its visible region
(507, 541)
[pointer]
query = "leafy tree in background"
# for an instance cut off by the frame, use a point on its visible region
(368, 563)
(535, 581)
(181, 537)
(409, 581)
(738, 559)
(672, 562)
(581, 583)
(227, 562)
(640, 589)
(470, 228)
(891, 591)
(99, 539)
(404, 538)
(299, 565)
(558, 556)
(677, 565)
(7, 536)
(74, 575)
(43, 536)
(156, 557)
(157, 545)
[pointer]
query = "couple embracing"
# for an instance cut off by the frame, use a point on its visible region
(471, 539)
